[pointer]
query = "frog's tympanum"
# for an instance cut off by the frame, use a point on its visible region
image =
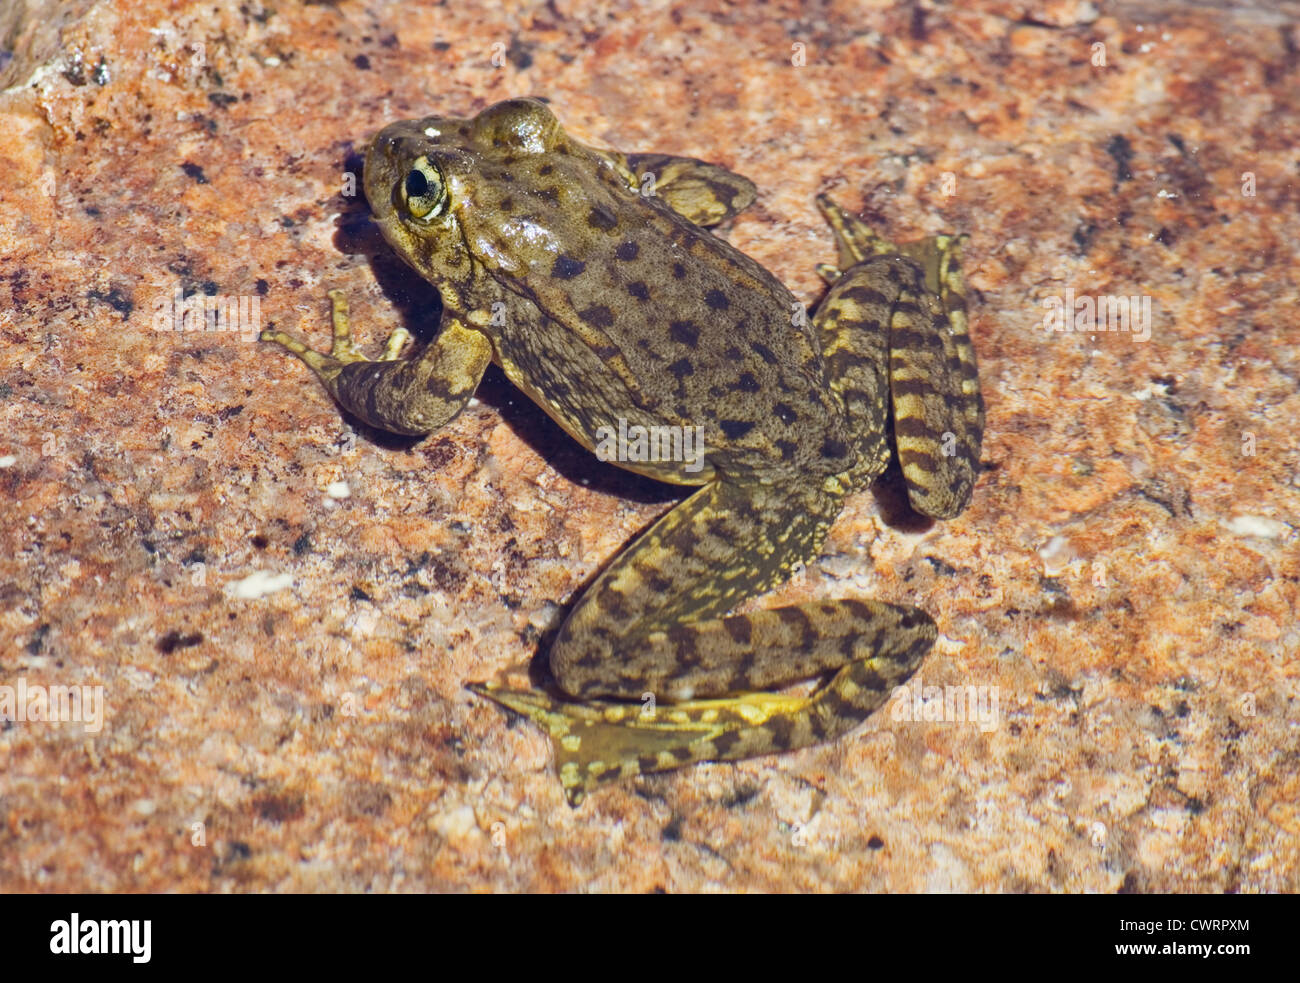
(590, 278)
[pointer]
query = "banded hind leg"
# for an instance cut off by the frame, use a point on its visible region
(897, 343)
(401, 395)
(653, 623)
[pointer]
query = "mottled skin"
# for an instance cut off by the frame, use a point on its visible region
(602, 302)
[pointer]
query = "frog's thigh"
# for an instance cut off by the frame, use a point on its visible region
(705, 194)
(889, 340)
(401, 395)
(650, 622)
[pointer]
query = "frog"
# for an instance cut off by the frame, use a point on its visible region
(597, 281)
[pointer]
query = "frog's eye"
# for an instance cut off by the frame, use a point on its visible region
(423, 191)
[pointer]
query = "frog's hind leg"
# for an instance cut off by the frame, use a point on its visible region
(896, 337)
(652, 624)
(401, 395)
(600, 741)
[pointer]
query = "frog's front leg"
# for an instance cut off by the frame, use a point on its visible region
(401, 395)
(652, 623)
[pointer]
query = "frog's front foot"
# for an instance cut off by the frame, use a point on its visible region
(412, 396)
(342, 351)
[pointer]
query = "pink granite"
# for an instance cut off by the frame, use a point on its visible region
(283, 613)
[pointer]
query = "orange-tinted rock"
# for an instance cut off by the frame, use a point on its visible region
(283, 613)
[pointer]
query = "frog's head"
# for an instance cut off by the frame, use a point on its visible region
(440, 186)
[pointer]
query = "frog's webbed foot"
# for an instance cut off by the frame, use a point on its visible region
(854, 239)
(651, 623)
(408, 396)
(896, 338)
(600, 741)
(939, 257)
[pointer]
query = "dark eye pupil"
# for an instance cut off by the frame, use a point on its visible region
(417, 185)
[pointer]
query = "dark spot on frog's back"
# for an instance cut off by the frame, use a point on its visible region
(602, 218)
(639, 290)
(600, 316)
(735, 429)
(627, 251)
(746, 383)
(566, 268)
(763, 352)
(545, 169)
(785, 413)
(682, 367)
(717, 300)
(685, 333)
(679, 271)
(834, 449)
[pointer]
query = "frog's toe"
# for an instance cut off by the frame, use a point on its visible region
(325, 366)
(342, 350)
(396, 342)
(285, 340)
(829, 272)
(854, 238)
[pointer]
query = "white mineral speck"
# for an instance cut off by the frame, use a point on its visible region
(259, 584)
(1256, 525)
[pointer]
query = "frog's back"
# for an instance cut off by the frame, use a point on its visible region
(668, 323)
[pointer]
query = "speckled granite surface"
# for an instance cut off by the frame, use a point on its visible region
(282, 612)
